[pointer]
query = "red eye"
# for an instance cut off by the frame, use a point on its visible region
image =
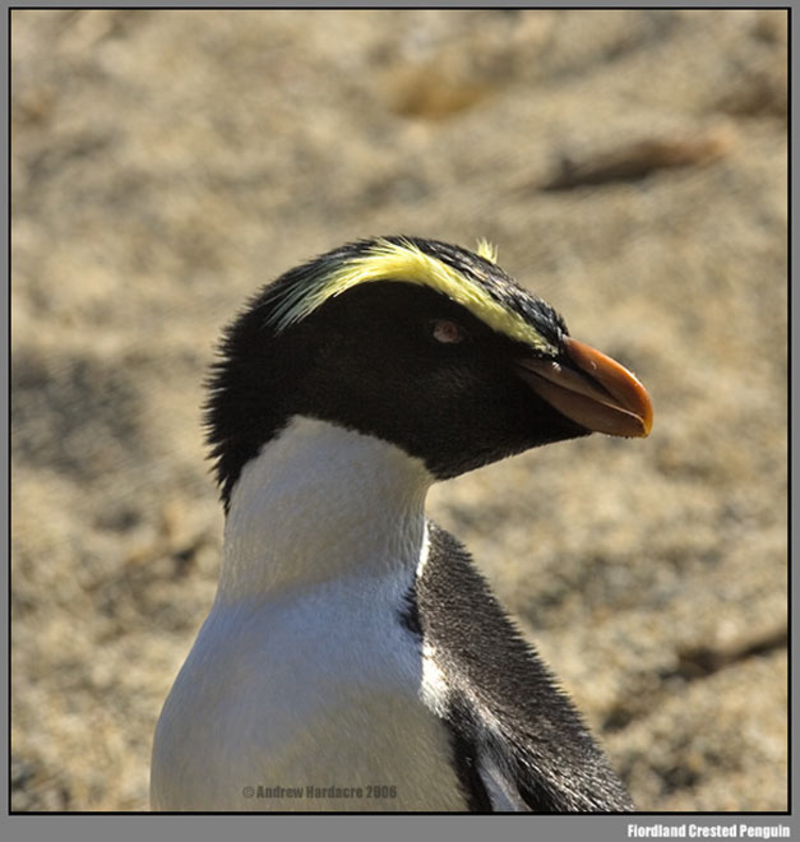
(447, 332)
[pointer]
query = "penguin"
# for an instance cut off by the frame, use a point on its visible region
(354, 659)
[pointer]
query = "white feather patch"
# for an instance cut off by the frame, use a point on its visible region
(302, 675)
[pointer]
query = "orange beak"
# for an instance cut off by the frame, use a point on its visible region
(598, 393)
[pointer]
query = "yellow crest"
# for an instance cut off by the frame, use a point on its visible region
(404, 261)
(487, 250)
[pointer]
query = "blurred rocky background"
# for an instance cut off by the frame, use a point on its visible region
(631, 166)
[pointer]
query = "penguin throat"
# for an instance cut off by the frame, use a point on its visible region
(321, 502)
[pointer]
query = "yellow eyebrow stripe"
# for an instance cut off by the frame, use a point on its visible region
(406, 262)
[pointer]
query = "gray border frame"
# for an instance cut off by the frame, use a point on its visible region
(123, 827)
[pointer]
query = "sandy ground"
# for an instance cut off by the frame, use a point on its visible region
(631, 166)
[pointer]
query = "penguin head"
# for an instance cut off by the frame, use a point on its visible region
(422, 344)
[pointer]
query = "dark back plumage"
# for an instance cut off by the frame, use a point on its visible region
(506, 708)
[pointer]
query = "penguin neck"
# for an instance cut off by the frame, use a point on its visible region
(321, 503)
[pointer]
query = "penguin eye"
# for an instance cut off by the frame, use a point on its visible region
(447, 332)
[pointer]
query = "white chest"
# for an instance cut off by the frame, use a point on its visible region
(302, 695)
(303, 690)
